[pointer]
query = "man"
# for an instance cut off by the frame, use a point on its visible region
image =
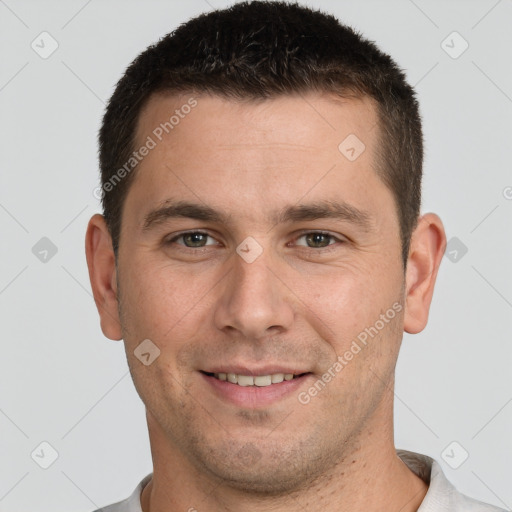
(261, 254)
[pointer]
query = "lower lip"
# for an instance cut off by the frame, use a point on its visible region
(254, 396)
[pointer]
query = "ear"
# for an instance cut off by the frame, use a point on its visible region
(428, 243)
(102, 274)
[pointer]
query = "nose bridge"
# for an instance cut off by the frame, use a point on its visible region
(254, 301)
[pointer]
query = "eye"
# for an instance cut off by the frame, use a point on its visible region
(192, 239)
(317, 239)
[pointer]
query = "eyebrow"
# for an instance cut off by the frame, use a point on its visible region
(170, 209)
(325, 210)
(173, 209)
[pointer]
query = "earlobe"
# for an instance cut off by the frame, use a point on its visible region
(428, 243)
(102, 274)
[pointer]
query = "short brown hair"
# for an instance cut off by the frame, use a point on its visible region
(260, 50)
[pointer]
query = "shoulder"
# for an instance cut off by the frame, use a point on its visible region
(441, 496)
(130, 504)
(446, 497)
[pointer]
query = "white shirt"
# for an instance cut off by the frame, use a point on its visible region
(441, 495)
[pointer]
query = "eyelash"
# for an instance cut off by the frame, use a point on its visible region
(302, 234)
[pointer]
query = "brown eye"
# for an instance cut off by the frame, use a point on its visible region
(316, 240)
(195, 239)
(192, 239)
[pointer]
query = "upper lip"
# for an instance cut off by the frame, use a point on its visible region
(254, 370)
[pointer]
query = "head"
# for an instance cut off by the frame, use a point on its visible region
(261, 173)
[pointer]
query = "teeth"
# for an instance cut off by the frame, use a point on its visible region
(245, 380)
(249, 380)
(263, 380)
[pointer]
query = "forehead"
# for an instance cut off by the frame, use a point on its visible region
(256, 153)
(323, 113)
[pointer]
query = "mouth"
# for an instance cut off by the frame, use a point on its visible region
(254, 380)
(262, 389)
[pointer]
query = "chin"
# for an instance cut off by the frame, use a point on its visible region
(261, 468)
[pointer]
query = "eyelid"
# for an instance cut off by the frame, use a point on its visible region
(300, 234)
(336, 237)
(177, 236)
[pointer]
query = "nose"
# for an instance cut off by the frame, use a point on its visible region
(254, 302)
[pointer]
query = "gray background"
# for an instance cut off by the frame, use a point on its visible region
(64, 383)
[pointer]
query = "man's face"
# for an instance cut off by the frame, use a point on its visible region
(294, 297)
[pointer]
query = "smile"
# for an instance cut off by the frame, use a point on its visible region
(254, 380)
(262, 388)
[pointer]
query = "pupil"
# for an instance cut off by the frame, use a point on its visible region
(319, 238)
(195, 238)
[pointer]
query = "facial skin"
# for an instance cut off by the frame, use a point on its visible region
(294, 309)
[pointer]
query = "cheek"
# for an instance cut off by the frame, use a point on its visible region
(165, 304)
(351, 296)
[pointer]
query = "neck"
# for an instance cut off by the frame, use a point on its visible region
(370, 477)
